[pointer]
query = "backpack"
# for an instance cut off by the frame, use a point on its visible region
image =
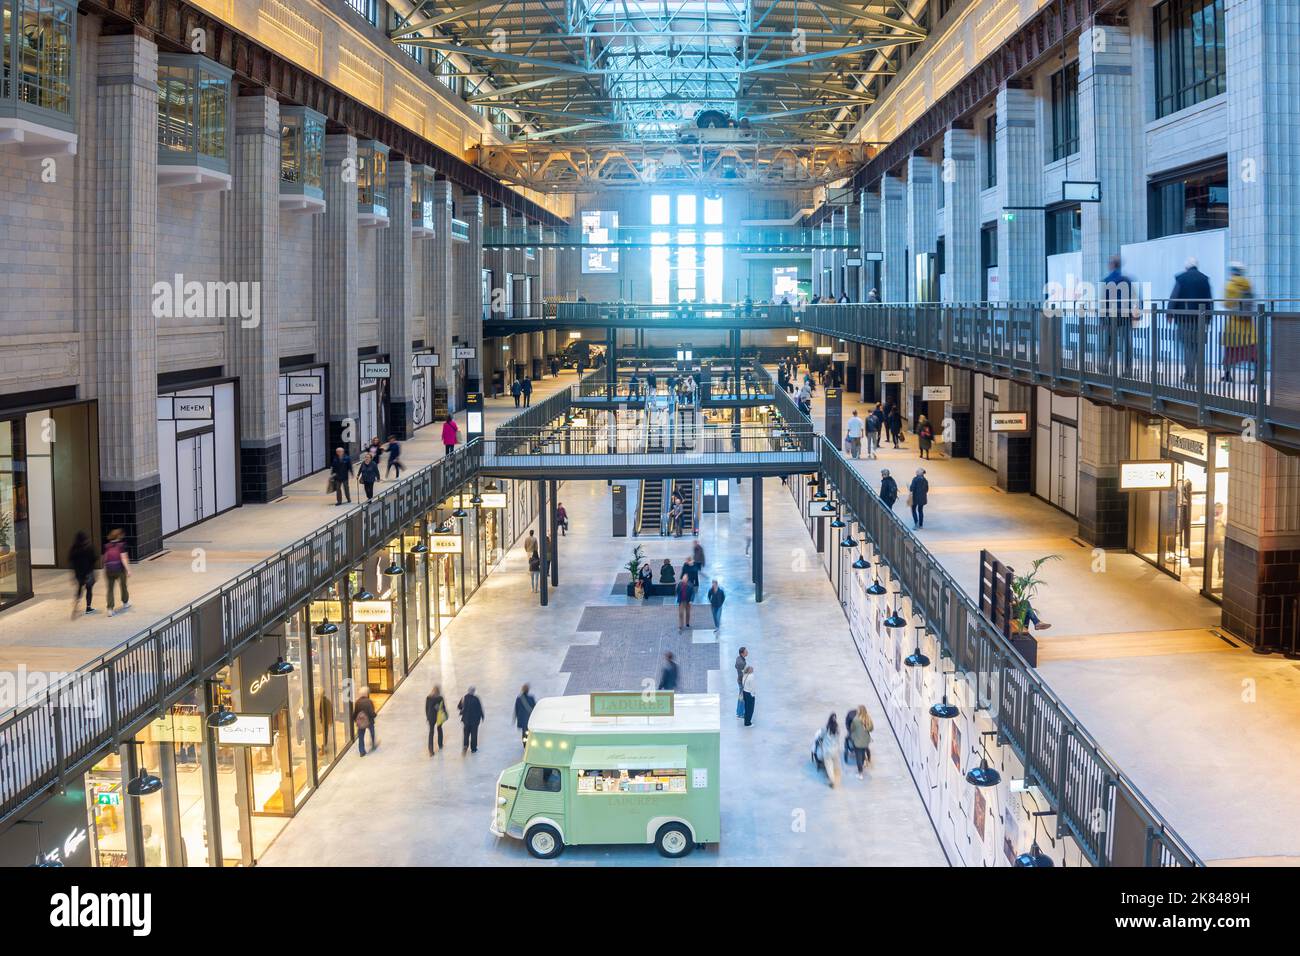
(113, 557)
(362, 720)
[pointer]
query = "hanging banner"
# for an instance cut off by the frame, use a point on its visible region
(445, 543)
(1010, 422)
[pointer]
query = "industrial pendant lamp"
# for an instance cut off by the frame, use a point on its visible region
(326, 627)
(916, 658)
(895, 620)
(876, 589)
(837, 521)
(984, 775)
(143, 783)
(420, 547)
(944, 710)
(848, 541)
(476, 499)
(1035, 857)
(460, 512)
(829, 507)
(41, 858)
(362, 594)
(394, 568)
(281, 668)
(221, 717)
(860, 564)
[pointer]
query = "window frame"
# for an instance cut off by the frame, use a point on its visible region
(1174, 27)
(1064, 91)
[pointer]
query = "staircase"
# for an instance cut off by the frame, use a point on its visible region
(650, 512)
(685, 489)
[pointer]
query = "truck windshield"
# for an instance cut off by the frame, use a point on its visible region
(546, 779)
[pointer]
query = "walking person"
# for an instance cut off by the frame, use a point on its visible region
(747, 689)
(668, 675)
(535, 569)
(394, 448)
(875, 422)
(363, 717)
(82, 559)
(527, 386)
(918, 493)
(117, 568)
(1239, 334)
(853, 434)
(562, 519)
(683, 602)
(516, 391)
(341, 476)
(888, 488)
(716, 597)
(1191, 295)
(1120, 309)
(450, 431)
(692, 572)
(368, 474)
(675, 517)
(925, 437)
(524, 705)
(859, 726)
(697, 555)
(827, 750)
(895, 425)
(435, 714)
(471, 715)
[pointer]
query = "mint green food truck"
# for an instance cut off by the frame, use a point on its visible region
(615, 768)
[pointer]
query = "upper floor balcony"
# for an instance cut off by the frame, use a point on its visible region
(302, 159)
(422, 202)
(195, 113)
(372, 184)
(36, 85)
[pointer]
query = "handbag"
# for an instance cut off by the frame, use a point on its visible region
(333, 485)
(442, 716)
(909, 499)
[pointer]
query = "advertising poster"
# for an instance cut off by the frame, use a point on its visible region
(956, 747)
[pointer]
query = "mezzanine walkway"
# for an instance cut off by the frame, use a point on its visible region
(1201, 725)
(38, 635)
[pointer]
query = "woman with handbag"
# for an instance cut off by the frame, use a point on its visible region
(435, 712)
(860, 727)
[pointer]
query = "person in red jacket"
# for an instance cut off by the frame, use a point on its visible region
(450, 431)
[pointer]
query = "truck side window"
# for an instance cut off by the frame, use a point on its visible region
(546, 779)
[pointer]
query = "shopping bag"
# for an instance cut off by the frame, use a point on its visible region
(740, 706)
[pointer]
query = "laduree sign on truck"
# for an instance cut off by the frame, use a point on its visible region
(615, 768)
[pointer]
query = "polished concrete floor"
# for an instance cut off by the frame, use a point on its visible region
(398, 806)
(1201, 725)
(39, 636)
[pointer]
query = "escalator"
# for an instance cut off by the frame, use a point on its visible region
(650, 510)
(687, 490)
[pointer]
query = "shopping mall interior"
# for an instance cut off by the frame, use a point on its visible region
(612, 433)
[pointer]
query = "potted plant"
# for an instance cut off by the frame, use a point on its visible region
(1023, 589)
(634, 568)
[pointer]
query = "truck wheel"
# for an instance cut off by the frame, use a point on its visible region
(673, 841)
(543, 841)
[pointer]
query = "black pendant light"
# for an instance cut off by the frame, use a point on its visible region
(877, 589)
(860, 564)
(916, 658)
(420, 547)
(477, 499)
(281, 668)
(326, 627)
(460, 513)
(394, 568)
(223, 716)
(837, 521)
(829, 507)
(812, 481)
(143, 783)
(363, 594)
(944, 710)
(895, 620)
(984, 775)
(1035, 857)
(42, 859)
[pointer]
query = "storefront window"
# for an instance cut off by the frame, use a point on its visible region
(15, 555)
(329, 678)
(374, 628)
(415, 582)
(174, 751)
(106, 796)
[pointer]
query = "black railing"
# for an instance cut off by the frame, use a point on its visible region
(1084, 785)
(47, 739)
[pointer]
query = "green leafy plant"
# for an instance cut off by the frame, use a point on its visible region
(1025, 586)
(634, 566)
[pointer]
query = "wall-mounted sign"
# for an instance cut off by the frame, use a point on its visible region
(304, 384)
(319, 611)
(445, 543)
(875, 257)
(249, 730)
(892, 375)
(632, 704)
(936, 393)
(1077, 191)
(792, 338)
(493, 499)
(853, 261)
(825, 349)
(463, 353)
(372, 612)
(1188, 442)
(376, 369)
(1010, 422)
(177, 728)
(575, 335)
(192, 407)
(1146, 475)
(839, 356)
(426, 360)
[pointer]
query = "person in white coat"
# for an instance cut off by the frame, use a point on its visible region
(828, 750)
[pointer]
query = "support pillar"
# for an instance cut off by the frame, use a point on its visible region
(395, 281)
(335, 268)
(469, 298)
(1102, 507)
(1022, 260)
(961, 216)
(126, 331)
(555, 536)
(893, 239)
(922, 213)
(869, 221)
(439, 285)
(543, 544)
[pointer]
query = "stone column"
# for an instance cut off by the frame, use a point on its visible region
(1102, 507)
(1021, 252)
(469, 332)
(439, 289)
(1264, 117)
(870, 225)
(961, 216)
(922, 210)
(1110, 147)
(1016, 452)
(335, 266)
(126, 329)
(395, 281)
(252, 249)
(838, 223)
(1261, 558)
(893, 239)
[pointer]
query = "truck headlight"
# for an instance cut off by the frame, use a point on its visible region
(501, 801)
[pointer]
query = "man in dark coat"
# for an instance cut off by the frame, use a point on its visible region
(668, 676)
(1120, 307)
(524, 705)
(340, 474)
(471, 715)
(1191, 294)
(920, 492)
(888, 489)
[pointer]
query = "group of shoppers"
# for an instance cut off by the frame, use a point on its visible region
(856, 743)
(367, 469)
(83, 558)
